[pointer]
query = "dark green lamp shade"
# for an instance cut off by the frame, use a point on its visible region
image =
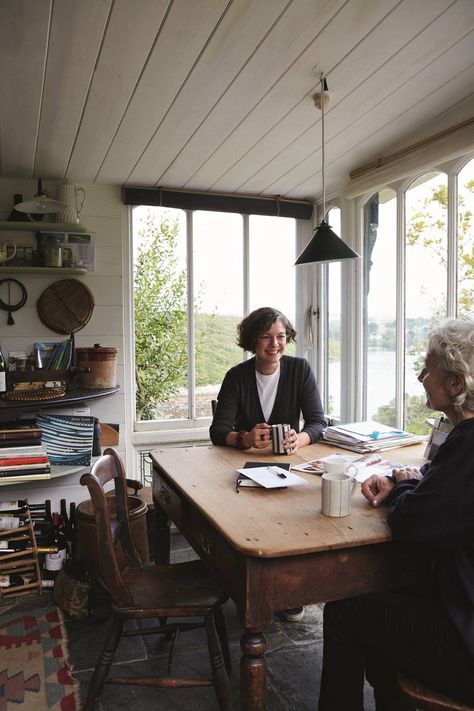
(326, 246)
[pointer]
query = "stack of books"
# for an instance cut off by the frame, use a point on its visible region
(368, 436)
(20, 435)
(22, 456)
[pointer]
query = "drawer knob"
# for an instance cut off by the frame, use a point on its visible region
(206, 544)
(164, 497)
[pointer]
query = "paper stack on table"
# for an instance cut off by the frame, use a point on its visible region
(368, 436)
(365, 466)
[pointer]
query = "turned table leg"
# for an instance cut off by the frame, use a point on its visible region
(253, 671)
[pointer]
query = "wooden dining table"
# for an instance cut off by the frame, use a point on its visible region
(273, 549)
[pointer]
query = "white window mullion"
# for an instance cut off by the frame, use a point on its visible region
(452, 226)
(190, 308)
(400, 313)
(246, 258)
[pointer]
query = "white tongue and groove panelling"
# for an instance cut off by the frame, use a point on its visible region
(217, 94)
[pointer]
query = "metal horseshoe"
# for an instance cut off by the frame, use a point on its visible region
(9, 306)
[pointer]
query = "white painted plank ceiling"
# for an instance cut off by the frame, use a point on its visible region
(217, 94)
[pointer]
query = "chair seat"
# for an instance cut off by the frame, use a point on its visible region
(173, 590)
(425, 699)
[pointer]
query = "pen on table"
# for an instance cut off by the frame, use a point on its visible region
(280, 474)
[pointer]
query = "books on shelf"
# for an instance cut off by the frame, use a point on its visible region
(19, 437)
(368, 436)
(24, 476)
(53, 356)
(68, 439)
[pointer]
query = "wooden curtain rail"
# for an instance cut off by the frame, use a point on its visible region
(384, 160)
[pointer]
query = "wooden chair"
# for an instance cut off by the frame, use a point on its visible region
(419, 697)
(151, 591)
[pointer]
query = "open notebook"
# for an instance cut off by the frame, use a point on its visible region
(273, 476)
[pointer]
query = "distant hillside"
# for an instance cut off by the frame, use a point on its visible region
(216, 349)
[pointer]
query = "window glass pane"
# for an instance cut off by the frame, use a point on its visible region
(465, 303)
(160, 313)
(272, 259)
(333, 336)
(425, 283)
(380, 223)
(218, 300)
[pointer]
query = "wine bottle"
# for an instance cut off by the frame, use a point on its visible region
(16, 507)
(54, 561)
(63, 514)
(3, 373)
(8, 522)
(14, 580)
(24, 543)
(70, 531)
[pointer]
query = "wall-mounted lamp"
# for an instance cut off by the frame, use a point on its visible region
(325, 245)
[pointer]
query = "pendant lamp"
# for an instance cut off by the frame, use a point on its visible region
(40, 204)
(325, 245)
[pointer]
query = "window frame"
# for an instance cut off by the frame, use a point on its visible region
(192, 429)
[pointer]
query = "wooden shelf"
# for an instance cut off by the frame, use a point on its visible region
(73, 396)
(33, 226)
(42, 270)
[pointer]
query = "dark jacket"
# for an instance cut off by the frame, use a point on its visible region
(238, 403)
(437, 515)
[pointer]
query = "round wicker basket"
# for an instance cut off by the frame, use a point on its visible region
(65, 306)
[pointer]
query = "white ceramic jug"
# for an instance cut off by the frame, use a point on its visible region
(74, 197)
(4, 256)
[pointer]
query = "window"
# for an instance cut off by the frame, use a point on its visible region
(195, 274)
(380, 259)
(465, 240)
(418, 269)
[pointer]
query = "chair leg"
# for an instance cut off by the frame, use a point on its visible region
(221, 680)
(221, 628)
(102, 667)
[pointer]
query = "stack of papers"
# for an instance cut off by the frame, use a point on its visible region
(365, 466)
(368, 436)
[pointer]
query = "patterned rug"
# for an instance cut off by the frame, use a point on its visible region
(34, 669)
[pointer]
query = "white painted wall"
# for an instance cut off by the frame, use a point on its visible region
(102, 215)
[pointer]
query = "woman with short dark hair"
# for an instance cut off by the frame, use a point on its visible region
(270, 388)
(426, 631)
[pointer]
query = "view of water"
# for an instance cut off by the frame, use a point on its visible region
(381, 379)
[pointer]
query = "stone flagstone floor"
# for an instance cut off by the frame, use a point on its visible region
(294, 652)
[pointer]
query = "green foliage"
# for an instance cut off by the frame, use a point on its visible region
(427, 225)
(416, 414)
(217, 350)
(159, 292)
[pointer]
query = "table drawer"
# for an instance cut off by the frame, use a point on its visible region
(168, 500)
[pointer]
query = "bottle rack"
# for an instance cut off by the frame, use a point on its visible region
(21, 562)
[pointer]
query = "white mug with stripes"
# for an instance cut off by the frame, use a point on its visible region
(336, 493)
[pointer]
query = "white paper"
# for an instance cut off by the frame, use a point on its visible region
(316, 466)
(269, 477)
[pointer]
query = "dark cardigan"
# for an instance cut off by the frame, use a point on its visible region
(436, 517)
(239, 408)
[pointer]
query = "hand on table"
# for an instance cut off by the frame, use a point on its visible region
(293, 440)
(404, 473)
(376, 489)
(259, 436)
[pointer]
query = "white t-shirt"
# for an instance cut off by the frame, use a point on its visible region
(267, 386)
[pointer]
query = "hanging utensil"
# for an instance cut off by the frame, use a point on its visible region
(9, 306)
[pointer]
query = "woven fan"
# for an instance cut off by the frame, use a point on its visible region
(66, 306)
